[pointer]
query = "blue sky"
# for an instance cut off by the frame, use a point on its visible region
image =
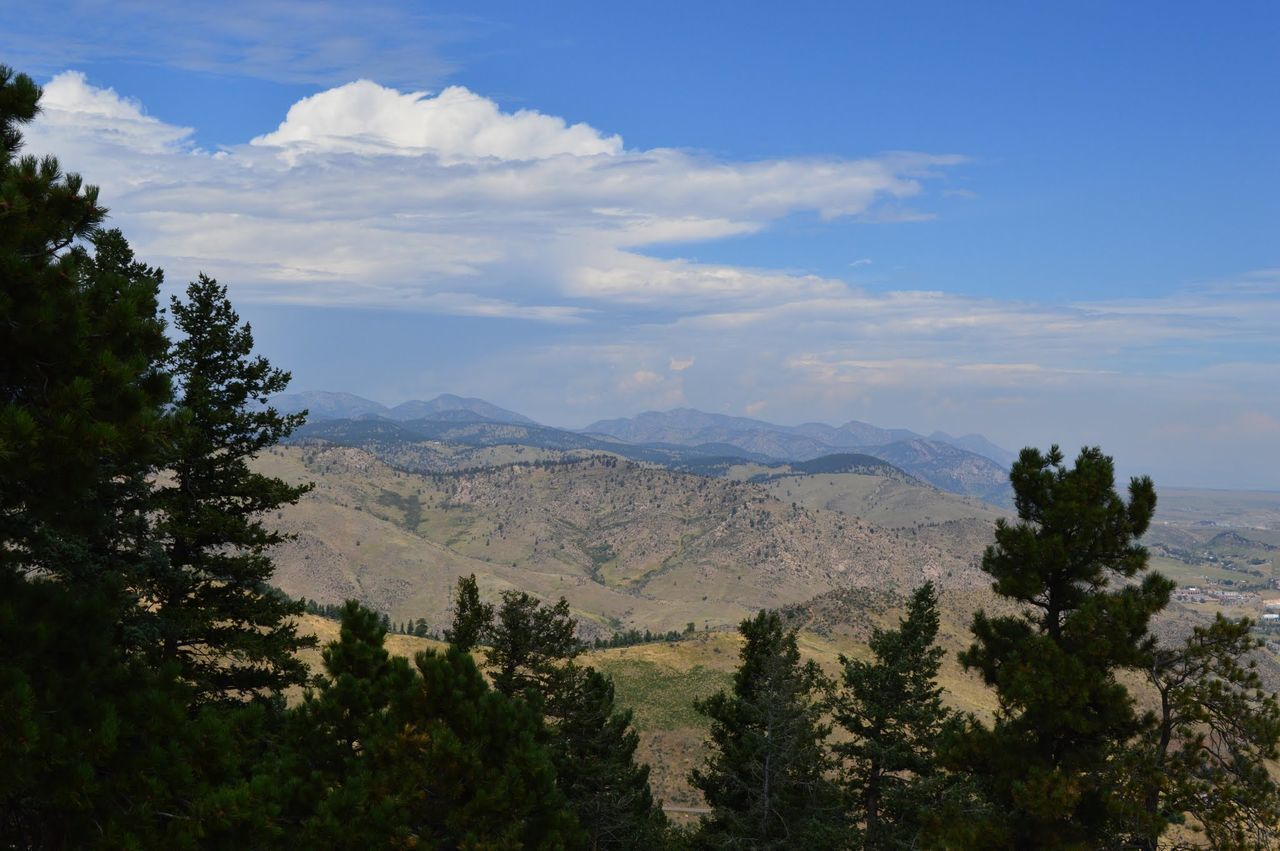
(1043, 222)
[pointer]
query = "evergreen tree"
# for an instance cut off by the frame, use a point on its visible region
(892, 709)
(532, 650)
(391, 754)
(472, 619)
(217, 616)
(767, 778)
(96, 750)
(594, 748)
(529, 643)
(1215, 736)
(1049, 766)
(81, 384)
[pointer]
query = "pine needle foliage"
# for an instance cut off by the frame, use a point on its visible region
(216, 614)
(1215, 737)
(891, 708)
(472, 619)
(767, 778)
(1050, 766)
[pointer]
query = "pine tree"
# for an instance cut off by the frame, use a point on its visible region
(472, 619)
(1216, 735)
(594, 746)
(82, 387)
(892, 709)
(1048, 766)
(529, 642)
(767, 778)
(388, 754)
(96, 748)
(532, 651)
(216, 613)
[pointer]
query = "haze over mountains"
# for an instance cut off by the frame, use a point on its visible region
(324, 405)
(683, 438)
(689, 426)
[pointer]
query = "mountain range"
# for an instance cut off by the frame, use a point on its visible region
(682, 438)
(689, 426)
(324, 405)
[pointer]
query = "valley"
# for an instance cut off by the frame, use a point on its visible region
(835, 543)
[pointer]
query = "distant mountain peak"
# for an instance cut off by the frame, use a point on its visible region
(417, 409)
(964, 465)
(328, 405)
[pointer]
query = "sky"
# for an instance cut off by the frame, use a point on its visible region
(1046, 223)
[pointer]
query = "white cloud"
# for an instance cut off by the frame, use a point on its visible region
(627, 277)
(70, 104)
(457, 124)
(643, 378)
(369, 197)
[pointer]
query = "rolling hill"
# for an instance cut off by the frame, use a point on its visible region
(834, 545)
(629, 545)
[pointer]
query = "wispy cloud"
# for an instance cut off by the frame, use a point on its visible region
(290, 41)
(366, 196)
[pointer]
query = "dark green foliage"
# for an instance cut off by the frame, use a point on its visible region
(632, 637)
(1048, 766)
(892, 709)
(96, 749)
(529, 642)
(594, 748)
(532, 651)
(472, 619)
(81, 389)
(409, 504)
(331, 611)
(215, 614)
(1214, 733)
(93, 745)
(386, 754)
(767, 777)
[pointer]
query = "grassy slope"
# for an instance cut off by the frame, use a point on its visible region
(884, 501)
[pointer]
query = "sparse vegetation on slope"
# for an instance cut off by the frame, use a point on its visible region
(629, 545)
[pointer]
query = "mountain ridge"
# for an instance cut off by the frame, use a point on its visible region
(682, 438)
(330, 405)
(676, 424)
(946, 464)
